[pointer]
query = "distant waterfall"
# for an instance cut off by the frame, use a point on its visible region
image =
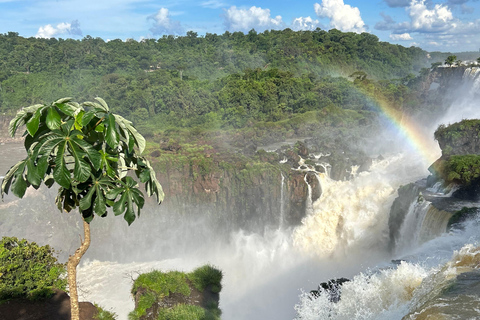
(282, 203)
(422, 222)
(309, 204)
(472, 75)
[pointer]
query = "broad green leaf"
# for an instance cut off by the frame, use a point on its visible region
(53, 120)
(105, 163)
(34, 122)
(93, 155)
(78, 120)
(119, 206)
(42, 166)
(100, 205)
(19, 185)
(67, 109)
(113, 194)
(86, 201)
(139, 139)
(7, 180)
(82, 169)
(100, 127)
(103, 103)
(16, 122)
(33, 175)
(62, 100)
(111, 136)
(129, 213)
(61, 174)
(87, 117)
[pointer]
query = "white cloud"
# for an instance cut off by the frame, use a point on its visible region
(342, 16)
(213, 4)
(403, 37)
(236, 19)
(49, 31)
(163, 24)
(429, 20)
(304, 24)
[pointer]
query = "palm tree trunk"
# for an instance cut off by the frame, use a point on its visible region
(72, 264)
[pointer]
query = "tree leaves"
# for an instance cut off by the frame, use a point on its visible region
(88, 151)
(129, 195)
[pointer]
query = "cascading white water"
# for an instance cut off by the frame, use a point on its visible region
(309, 201)
(422, 222)
(352, 216)
(471, 75)
(282, 203)
(416, 287)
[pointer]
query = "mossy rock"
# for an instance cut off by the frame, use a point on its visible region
(177, 295)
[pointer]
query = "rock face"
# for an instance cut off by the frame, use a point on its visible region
(460, 160)
(55, 308)
(460, 138)
(331, 287)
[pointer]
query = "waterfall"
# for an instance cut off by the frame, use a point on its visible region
(471, 75)
(351, 216)
(282, 203)
(434, 223)
(309, 201)
(422, 222)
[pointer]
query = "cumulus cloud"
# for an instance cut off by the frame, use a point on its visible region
(422, 19)
(398, 3)
(163, 24)
(429, 20)
(236, 19)
(342, 16)
(305, 24)
(403, 37)
(48, 31)
(436, 24)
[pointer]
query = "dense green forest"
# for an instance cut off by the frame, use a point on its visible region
(228, 81)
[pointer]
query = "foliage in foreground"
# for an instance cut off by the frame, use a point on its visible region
(104, 314)
(28, 270)
(157, 285)
(87, 150)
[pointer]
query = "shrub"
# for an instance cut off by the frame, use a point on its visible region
(28, 270)
(206, 276)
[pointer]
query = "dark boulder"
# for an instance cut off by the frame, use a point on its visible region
(56, 307)
(331, 287)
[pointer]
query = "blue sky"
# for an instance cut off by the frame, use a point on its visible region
(448, 25)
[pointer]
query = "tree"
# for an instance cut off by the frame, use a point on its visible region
(450, 60)
(87, 151)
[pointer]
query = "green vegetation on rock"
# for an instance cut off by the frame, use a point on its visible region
(28, 270)
(168, 294)
(460, 144)
(462, 168)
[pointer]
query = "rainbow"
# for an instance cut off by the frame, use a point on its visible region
(417, 136)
